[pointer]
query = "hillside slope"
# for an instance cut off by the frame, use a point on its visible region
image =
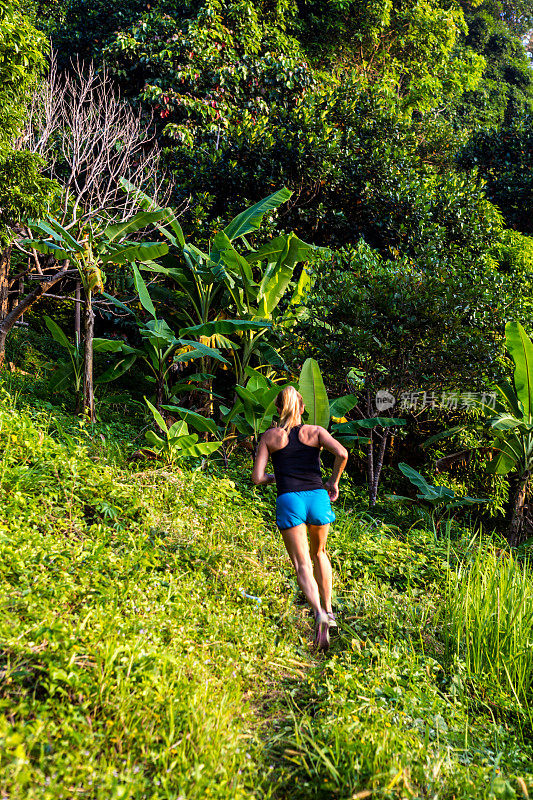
(152, 646)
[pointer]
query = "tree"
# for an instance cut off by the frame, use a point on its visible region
(23, 190)
(90, 140)
(90, 251)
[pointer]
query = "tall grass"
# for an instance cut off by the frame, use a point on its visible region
(488, 616)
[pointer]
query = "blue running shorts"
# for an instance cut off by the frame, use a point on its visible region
(295, 508)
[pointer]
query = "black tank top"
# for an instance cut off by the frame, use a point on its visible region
(297, 465)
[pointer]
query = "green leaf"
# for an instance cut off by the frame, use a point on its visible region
(156, 415)
(250, 220)
(200, 349)
(179, 428)
(112, 346)
(520, 348)
(142, 291)
(416, 478)
(226, 327)
(154, 439)
(58, 335)
(143, 251)
(117, 370)
(135, 223)
(343, 405)
(197, 421)
(270, 355)
(199, 449)
(384, 422)
(118, 303)
(443, 435)
(49, 248)
(314, 393)
(223, 251)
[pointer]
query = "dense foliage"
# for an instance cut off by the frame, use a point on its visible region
(23, 191)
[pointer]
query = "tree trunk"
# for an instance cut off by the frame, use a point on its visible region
(159, 391)
(77, 314)
(378, 464)
(5, 264)
(518, 518)
(7, 323)
(88, 387)
(370, 467)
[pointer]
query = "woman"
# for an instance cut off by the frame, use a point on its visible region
(303, 503)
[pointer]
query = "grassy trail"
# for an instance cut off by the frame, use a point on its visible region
(152, 646)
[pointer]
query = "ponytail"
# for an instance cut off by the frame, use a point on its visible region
(289, 405)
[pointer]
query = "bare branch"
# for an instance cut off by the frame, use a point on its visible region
(91, 138)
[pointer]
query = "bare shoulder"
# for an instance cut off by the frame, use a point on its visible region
(274, 438)
(310, 434)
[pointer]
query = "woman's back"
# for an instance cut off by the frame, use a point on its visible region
(296, 463)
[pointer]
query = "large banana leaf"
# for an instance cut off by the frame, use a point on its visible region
(343, 405)
(195, 420)
(256, 380)
(427, 492)
(509, 452)
(250, 220)
(270, 355)
(302, 288)
(142, 291)
(58, 335)
(225, 327)
(507, 422)
(113, 346)
(384, 422)
(48, 248)
(199, 350)
(269, 252)
(314, 393)
(135, 223)
(156, 415)
(141, 251)
(226, 259)
(520, 348)
(61, 234)
(158, 333)
(118, 369)
(509, 395)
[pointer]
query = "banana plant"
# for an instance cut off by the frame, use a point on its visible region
(176, 442)
(512, 426)
(91, 251)
(67, 371)
(252, 284)
(254, 410)
(161, 349)
(510, 423)
(356, 432)
(434, 500)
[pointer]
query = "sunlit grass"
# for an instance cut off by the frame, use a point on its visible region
(488, 620)
(136, 661)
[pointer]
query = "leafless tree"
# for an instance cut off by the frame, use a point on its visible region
(90, 139)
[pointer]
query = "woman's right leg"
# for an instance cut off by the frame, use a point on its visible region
(318, 535)
(298, 549)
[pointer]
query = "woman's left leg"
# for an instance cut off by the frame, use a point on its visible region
(298, 549)
(318, 535)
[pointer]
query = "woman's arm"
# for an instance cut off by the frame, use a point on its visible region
(341, 457)
(259, 476)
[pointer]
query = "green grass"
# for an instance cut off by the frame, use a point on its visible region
(488, 621)
(133, 665)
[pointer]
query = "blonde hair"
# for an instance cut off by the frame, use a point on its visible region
(289, 404)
